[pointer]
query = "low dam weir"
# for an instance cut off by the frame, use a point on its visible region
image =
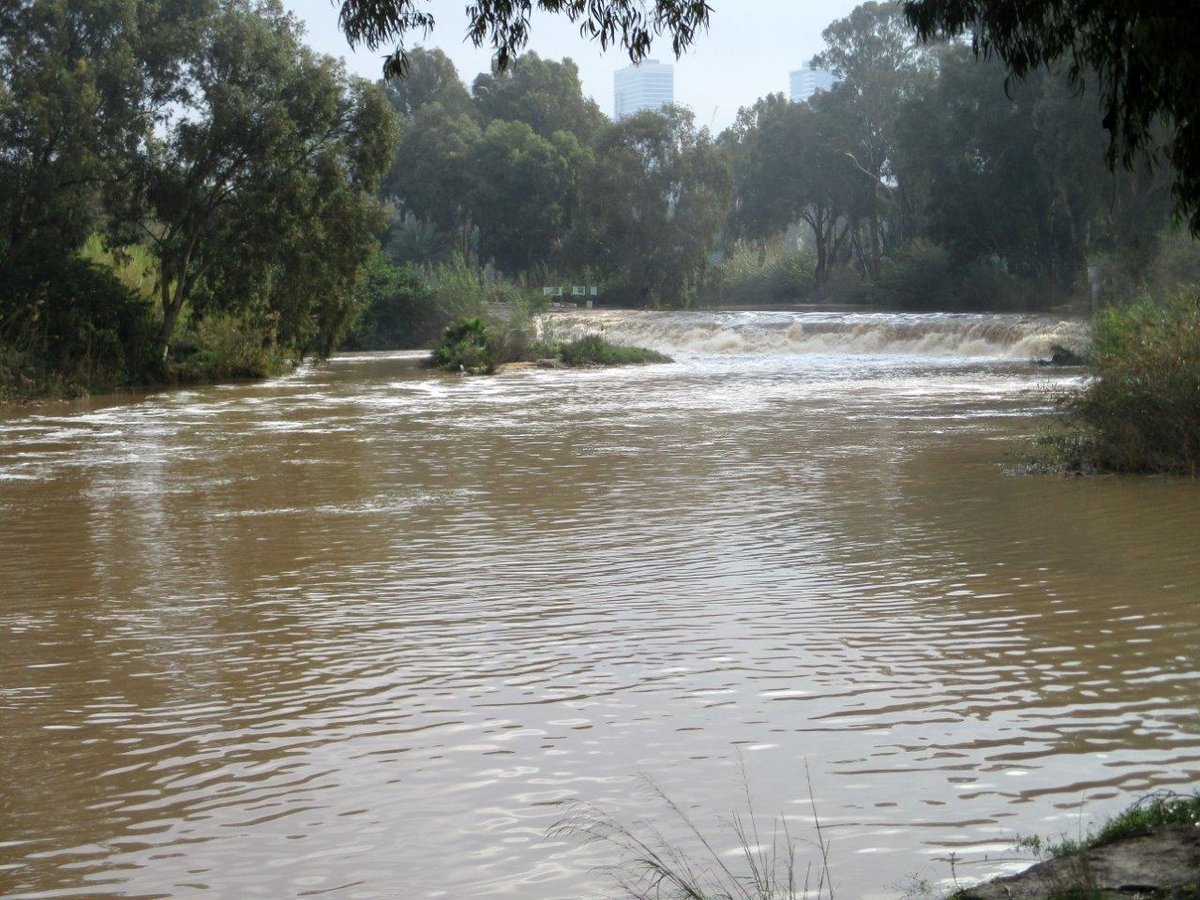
(948, 335)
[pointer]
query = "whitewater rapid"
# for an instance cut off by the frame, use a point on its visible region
(944, 335)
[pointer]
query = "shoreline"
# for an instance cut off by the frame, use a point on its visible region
(1158, 862)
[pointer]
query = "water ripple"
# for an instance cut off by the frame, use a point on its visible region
(319, 635)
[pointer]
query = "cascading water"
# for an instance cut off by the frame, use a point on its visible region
(970, 335)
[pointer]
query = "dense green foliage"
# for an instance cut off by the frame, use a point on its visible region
(466, 346)
(1142, 55)
(657, 195)
(201, 137)
(81, 327)
(777, 271)
(526, 177)
(259, 192)
(397, 306)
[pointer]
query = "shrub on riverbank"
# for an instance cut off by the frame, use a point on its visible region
(1142, 411)
(225, 346)
(407, 307)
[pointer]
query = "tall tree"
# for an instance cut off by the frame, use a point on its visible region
(881, 66)
(432, 177)
(654, 204)
(1011, 177)
(1142, 56)
(526, 192)
(79, 83)
(259, 181)
(429, 78)
(789, 168)
(544, 94)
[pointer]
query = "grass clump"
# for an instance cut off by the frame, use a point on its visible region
(651, 867)
(1157, 810)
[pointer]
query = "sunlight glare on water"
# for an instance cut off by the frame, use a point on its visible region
(360, 631)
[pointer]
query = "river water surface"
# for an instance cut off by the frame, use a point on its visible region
(360, 631)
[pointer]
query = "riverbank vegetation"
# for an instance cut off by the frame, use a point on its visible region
(1141, 410)
(761, 866)
(1151, 843)
(187, 192)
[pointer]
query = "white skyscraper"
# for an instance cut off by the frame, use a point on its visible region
(806, 81)
(648, 85)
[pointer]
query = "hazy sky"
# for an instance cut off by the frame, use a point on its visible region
(747, 53)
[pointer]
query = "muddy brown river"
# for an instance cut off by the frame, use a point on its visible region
(361, 631)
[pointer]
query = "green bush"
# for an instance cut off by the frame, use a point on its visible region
(924, 277)
(465, 347)
(404, 307)
(1143, 407)
(920, 279)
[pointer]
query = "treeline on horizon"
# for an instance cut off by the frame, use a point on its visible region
(922, 180)
(188, 192)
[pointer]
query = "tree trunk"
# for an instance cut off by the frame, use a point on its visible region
(172, 305)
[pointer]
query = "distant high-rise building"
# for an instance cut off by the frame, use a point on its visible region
(806, 81)
(648, 85)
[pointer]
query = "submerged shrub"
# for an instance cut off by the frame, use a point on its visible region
(465, 347)
(593, 350)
